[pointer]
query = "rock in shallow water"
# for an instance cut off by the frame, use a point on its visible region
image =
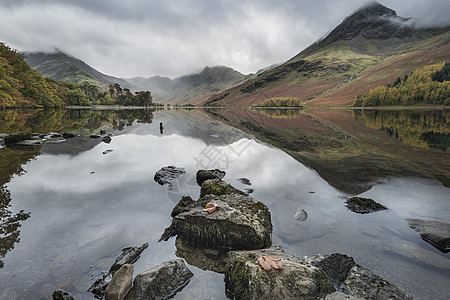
(363, 205)
(62, 295)
(128, 256)
(166, 175)
(160, 282)
(120, 283)
(239, 222)
(246, 279)
(434, 232)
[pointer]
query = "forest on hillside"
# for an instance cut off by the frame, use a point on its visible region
(426, 85)
(21, 86)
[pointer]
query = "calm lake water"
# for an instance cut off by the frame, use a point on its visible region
(68, 209)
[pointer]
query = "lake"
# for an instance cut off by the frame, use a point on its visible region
(68, 208)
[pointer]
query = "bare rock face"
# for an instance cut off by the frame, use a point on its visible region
(434, 232)
(246, 279)
(239, 222)
(120, 283)
(160, 282)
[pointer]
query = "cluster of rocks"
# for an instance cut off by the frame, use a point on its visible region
(234, 237)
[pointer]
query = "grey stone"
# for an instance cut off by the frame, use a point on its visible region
(246, 279)
(182, 205)
(62, 295)
(120, 283)
(160, 282)
(167, 175)
(203, 175)
(95, 136)
(245, 181)
(434, 232)
(106, 139)
(364, 205)
(128, 256)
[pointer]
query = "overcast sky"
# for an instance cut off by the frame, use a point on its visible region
(128, 38)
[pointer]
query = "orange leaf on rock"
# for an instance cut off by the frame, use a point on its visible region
(264, 264)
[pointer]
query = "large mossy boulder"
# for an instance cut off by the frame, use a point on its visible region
(239, 222)
(246, 279)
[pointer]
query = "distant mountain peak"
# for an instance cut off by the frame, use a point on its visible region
(374, 9)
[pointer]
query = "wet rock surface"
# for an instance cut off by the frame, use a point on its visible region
(62, 295)
(239, 222)
(246, 279)
(434, 232)
(160, 282)
(364, 205)
(355, 280)
(120, 283)
(128, 256)
(107, 139)
(203, 175)
(166, 175)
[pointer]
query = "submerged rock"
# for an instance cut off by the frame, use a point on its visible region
(239, 222)
(434, 232)
(107, 151)
(120, 283)
(363, 205)
(62, 295)
(128, 256)
(203, 175)
(354, 280)
(166, 175)
(218, 187)
(160, 282)
(95, 136)
(301, 215)
(203, 258)
(246, 279)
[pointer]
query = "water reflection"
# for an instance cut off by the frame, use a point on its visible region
(281, 113)
(86, 206)
(426, 129)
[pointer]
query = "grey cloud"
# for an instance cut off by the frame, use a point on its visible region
(171, 38)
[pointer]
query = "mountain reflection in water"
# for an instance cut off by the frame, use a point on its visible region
(73, 209)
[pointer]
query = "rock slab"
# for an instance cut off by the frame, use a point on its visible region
(128, 256)
(120, 283)
(246, 279)
(160, 282)
(434, 232)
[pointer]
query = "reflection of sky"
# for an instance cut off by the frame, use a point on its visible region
(80, 221)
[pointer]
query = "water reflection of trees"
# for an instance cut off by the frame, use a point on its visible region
(280, 113)
(58, 120)
(426, 129)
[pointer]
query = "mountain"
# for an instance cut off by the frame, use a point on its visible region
(62, 67)
(371, 47)
(192, 88)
